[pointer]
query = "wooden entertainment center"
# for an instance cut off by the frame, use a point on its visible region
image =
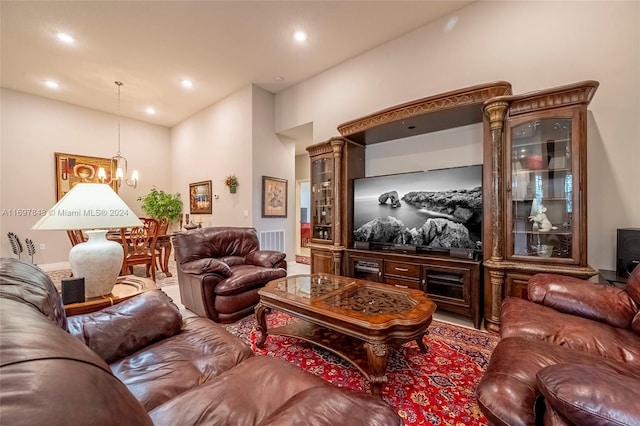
(533, 196)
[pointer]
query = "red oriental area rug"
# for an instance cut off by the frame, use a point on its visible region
(433, 388)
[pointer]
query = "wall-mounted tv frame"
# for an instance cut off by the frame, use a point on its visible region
(432, 211)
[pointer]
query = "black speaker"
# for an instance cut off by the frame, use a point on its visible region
(628, 254)
(72, 290)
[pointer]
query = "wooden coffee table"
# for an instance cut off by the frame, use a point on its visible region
(360, 321)
(125, 288)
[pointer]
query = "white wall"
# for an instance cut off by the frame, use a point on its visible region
(273, 156)
(235, 135)
(211, 145)
(533, 45)
(33, 128)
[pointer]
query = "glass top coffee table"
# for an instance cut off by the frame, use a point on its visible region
(360, 321)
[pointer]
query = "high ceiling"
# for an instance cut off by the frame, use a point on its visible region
(221, 46)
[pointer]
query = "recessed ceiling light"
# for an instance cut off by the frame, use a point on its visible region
(451, 23)
(187, 83)
(300, 35)
(150, 111)
(65, 38)
(51, 84)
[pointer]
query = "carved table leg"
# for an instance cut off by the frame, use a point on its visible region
(378, 355)
(165, 261)
(261, 327)
(420, 342)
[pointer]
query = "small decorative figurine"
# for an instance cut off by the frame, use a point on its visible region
(540, 220)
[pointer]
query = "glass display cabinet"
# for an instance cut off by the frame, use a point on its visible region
(540, 212)
(535, 195)
(333, 164)
(322, 199)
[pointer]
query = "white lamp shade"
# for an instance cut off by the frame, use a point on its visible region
(89, 206)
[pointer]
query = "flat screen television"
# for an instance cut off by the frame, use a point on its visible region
(436, 210)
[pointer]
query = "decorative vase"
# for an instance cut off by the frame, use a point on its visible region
(232, 189)
(98, 261)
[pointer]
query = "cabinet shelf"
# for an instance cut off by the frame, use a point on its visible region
(538, 142)
(548, 170)
(541, 233)
(531, 199)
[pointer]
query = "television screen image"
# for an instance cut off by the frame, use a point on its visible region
(437, 209)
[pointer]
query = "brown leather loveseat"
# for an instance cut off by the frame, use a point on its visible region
(568, 356)
(138, 363)
(221, 269)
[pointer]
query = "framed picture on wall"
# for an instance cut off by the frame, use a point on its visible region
(72, 169)
(200, 197)
(274, 197)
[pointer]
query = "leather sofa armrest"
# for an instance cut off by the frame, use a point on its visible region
(122, 329)
(598, 302)
(265, 258)
(590, 394)
(206, 265)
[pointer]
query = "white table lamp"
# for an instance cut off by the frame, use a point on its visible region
(93, 207)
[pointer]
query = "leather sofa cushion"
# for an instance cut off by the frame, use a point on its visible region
(122, 329)
(206, 265)
(247, 277)
(28, 284)
(633, 285)
(507, 391)
(590, 394)
(232, 260)
(214, 242)
(520, 317)
(236, 303)
(266, 258)
(323, 406)
(242, 396)
(199, 353)
(49, 377)
(599, 302)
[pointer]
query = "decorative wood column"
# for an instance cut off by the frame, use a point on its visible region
(496, 111)
(336, 146)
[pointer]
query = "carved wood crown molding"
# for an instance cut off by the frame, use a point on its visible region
(326, 147)
(453, 99)
(571, 94)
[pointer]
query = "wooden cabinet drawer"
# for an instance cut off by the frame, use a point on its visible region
(402, 269)
(402, 283)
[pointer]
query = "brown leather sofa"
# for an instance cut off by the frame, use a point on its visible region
(138, 363)
(221, 269)
(568, 356)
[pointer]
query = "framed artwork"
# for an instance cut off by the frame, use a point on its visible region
(72, 169)
(200, 197)
(274, 197)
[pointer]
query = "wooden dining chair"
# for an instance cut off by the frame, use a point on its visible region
(139, 245)
(161, 246)
(76, 236)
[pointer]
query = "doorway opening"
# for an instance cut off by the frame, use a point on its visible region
(303, 230)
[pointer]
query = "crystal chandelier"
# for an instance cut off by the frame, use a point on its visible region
(118, 162)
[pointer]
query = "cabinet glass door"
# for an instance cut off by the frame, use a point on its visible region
(543, 189)
(322, 199)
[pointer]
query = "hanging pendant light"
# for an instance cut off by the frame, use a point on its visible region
(119, 165)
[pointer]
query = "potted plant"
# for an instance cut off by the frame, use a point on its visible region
(232, 182)
(160, 205)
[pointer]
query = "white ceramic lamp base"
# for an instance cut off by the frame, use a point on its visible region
(99, 261)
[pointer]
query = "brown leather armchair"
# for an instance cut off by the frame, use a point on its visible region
(568, 356)
(221, 269)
